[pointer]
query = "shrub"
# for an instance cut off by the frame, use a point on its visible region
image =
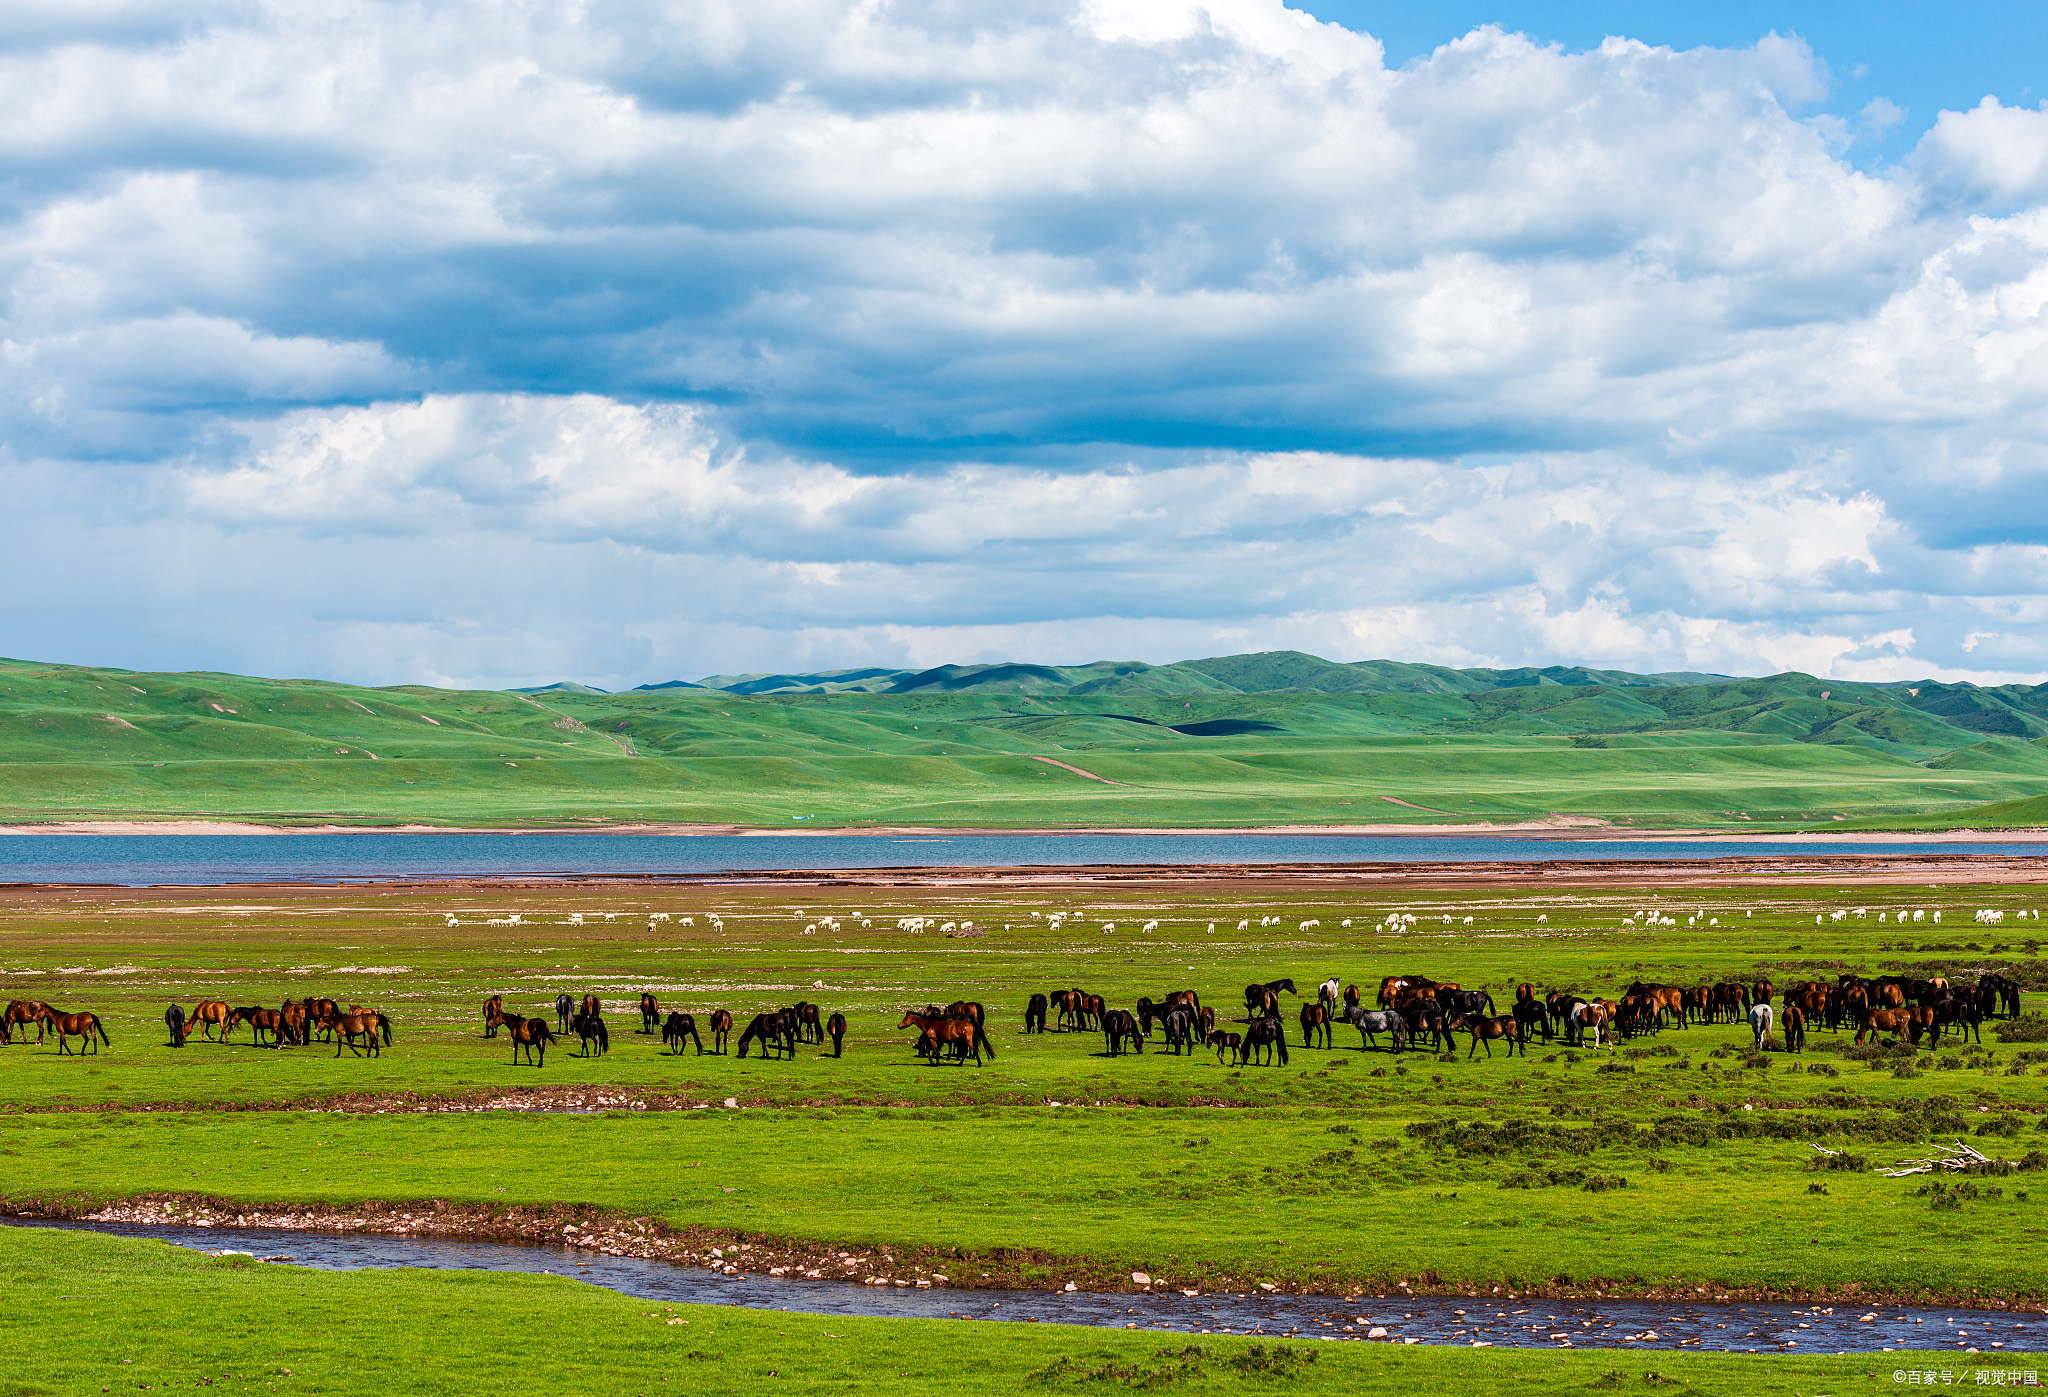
(1602, 1183)
(2003, 1126)
(1843, 1163)
(2031, 1029)
(1822, 1069)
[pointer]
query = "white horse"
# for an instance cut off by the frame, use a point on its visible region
(1330, 990)
(1760, 1025)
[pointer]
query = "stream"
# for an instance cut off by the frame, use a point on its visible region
(1751, 1328)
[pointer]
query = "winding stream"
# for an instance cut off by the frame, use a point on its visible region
(1997, 1340)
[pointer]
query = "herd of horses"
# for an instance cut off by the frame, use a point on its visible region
(777, 1034)
(1417, 1011)
(23, 1014)
(1409, 1010)
(297, 1024)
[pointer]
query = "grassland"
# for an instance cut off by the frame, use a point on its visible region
(1789, 752)
(1179, 1166)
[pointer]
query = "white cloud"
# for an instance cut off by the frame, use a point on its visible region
(880, 328)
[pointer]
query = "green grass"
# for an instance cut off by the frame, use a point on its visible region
(1752, 754)
(90, 1313)
(1295, 1174)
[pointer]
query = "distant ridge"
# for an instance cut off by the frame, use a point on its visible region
(1264, 672)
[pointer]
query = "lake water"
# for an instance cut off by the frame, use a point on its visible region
(1979, 1338)
(212, 859)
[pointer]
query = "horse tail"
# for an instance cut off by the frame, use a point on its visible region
(982, 1040)
(101, 1030)
(1489, 1003)
(384, 1024)
(1280, 1039)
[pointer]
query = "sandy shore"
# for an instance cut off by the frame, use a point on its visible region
(1561, 828)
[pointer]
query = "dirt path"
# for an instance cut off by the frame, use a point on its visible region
(1078, 772)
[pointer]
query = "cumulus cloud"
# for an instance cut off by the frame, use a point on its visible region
(874, 330)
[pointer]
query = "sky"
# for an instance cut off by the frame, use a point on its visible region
(630, 340)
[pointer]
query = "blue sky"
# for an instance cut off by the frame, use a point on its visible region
(493, 343)
(1921, 57)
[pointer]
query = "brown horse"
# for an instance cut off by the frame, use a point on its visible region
(1594, 1016)
(836, 1028)
(938, 1031)
(23, 1012)
(75, 1025)
(1761, 992)
(591, 1006)
(318, 1012)
(262, 1021)
(533, 1035)
(1315, 1024)
(720, 1022)
(209, 1014)
(650, 1013)
(1486, 1030)
(494, 1014)
(1907, 1023)
(366, 1024)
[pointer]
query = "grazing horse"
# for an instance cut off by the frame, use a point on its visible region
(1180, 1028)
(835, 1028)
(565, 1010)
(494, 1014)
(1225, 1043)
(721, 1028)
(1530, 1017)
(1315, 1024)
(773, 1032)
(1205, 1020)
(174, 1020)
(1370, 1022)
(1265, 999)
(208, 1014)
(589, 1028)
(23, 1012)
(1351, 996)
(1793, 1022)
(1034, 1014)
(1119, 1024)
(76, 1025)
(680, 1027)
(936, 1031)
(533, 1035)
(1963, 1009)
(366, 1024)
(1264, 1036)
(1760, 1024)
(295, 1021)
(1761, 992)
(590, 1006)
(1484, 1030)
(650, 1013)
(1424, 1020)
(1066, 1001)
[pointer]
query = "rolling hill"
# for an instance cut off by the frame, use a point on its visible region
(1239, 740)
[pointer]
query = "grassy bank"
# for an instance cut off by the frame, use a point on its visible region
(102, 1313)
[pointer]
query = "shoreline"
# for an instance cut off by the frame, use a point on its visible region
(1564, 830)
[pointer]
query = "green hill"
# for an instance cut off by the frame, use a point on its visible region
(1021, 745)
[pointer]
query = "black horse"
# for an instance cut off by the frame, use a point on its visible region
(1179, 1022)
(1119, 1024)
(774, 1032)
(1264, 1035)
(835, 1028)
(565, 1009)
(1263, 999)
(1034, 1014)
(678, 1028)
(590, 1029)
(174, 1020)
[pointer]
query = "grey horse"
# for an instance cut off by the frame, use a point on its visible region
(1371, 1021)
